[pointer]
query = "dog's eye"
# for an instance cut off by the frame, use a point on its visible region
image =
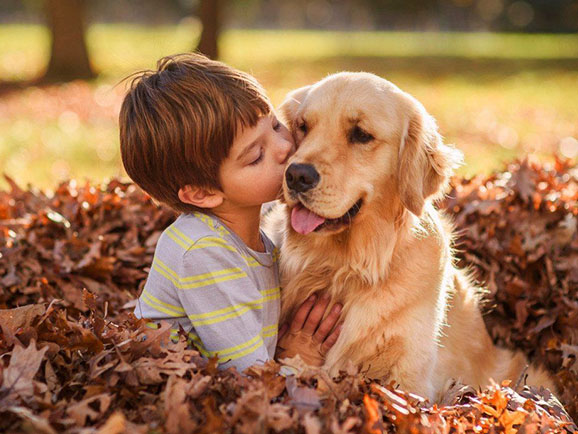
(302, 127)
(358, 135)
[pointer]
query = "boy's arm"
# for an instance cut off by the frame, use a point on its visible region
(225, 307)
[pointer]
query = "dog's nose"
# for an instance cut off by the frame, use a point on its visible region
(301, 177)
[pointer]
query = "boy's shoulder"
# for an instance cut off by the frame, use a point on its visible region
(205, 238)
(191, 228)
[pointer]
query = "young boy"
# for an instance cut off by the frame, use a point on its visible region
(202, 138)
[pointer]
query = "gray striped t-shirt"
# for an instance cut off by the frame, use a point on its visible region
(225, 295)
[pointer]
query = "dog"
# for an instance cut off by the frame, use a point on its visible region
(358, 223)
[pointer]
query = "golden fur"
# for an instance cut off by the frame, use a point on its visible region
(408, 313)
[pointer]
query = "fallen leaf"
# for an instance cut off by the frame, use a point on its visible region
(24, 364)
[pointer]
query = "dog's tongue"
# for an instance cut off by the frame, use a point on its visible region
(305, 221)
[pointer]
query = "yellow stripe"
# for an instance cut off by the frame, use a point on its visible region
(235, 307)
(257, 304)
(176, 239)
(209, 222)
(162, 303)
(249, 350)
(202, 350)
(265, 332)
(200, 284)
(205, 242)
(174, 335)
(249, 343)
(219, 242)
(216, 240)
(269, 331)
(199, 344)
(233, 270)
(226, 358)
(165, 267)
(214, 280)
(189, 244)
(195, 338)
(251, 262)
(202, 244)
(165, 274)
(181, 235)
(158, 307)
(152, 325)
(245, 348)
(198, 276)
(244, 345)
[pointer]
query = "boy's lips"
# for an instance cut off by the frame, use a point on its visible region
(305, 221)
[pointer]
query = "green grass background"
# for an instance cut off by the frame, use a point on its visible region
(495, 96)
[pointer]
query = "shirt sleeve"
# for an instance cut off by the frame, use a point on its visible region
(224, 305)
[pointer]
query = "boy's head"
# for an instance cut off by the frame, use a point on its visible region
(178, 124)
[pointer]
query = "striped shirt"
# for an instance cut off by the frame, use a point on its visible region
(225, 295)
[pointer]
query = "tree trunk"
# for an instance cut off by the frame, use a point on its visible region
(68, 54)
(209, 13)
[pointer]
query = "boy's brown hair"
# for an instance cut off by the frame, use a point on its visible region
(178, 123)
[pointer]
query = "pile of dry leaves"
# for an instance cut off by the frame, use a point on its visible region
(74, 359)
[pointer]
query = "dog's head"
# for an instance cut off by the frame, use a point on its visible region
(360, 139)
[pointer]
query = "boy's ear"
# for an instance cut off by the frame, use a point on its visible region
(290, 105)
(201, 197)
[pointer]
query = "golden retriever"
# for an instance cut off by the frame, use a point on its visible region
(358, 223)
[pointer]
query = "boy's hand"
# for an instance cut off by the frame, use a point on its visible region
(307, 335)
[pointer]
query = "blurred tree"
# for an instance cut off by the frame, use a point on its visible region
(210, 15)
(68, 53)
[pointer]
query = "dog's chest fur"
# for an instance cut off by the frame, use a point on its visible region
(371, 279)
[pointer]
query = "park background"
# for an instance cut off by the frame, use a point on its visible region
(500, 76)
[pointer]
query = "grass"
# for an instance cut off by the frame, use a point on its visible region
(495, 96)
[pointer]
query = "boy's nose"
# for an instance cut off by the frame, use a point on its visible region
(301, 177)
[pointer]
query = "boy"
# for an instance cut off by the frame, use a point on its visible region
(202, 138)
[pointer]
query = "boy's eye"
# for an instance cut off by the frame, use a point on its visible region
(258, 159)
(276, 125)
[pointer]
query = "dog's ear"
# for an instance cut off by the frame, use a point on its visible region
(425, 163)
(290, 105)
